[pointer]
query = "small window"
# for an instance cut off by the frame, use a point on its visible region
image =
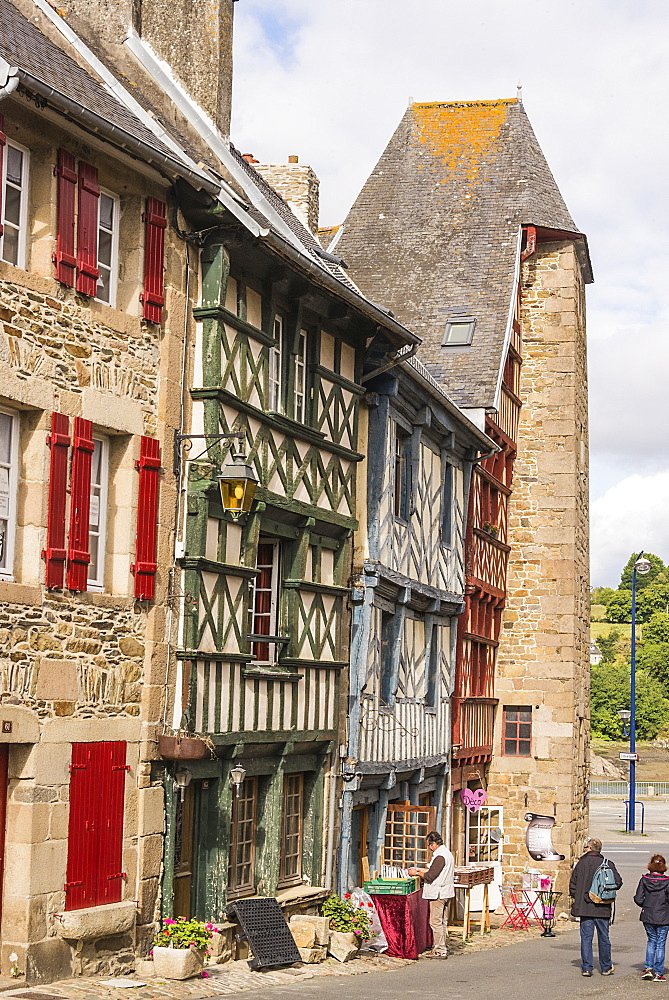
(447, 506)
(241, 863)
(265, 600)
(299, 377)
(459, 331)
(517, 731)
(14, 205)
(388, 640)
(108, 216)
(97, 521)
(291, 829)
(402, 474)
(9, 460)
(432, 668)
(274, 374)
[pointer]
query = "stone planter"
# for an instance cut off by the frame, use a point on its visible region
(177, 963)
(343, 946)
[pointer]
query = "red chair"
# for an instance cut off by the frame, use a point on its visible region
(530, 903)
(516, 919)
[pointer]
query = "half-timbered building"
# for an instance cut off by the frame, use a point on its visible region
(408, 591)
(475, 250)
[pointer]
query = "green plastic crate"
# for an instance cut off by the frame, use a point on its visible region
(392, 886)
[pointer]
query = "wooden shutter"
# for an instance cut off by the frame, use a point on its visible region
(95, 833)
(144, 567)
(78, 556)
(54, 554)
(66, 263)
(155, 223)
(3, 140)
(87, 229)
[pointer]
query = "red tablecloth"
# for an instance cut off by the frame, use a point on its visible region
(406, 923)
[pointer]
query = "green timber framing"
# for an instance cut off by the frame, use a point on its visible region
(277, 707)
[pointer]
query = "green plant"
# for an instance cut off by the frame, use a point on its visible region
(182, 933)
(346, 917)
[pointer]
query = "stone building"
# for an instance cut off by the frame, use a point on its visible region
(94, 289)
(476, 252)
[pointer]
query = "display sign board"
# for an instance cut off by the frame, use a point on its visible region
(628, 756)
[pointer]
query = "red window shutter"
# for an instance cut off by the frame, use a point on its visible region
(78, 556)
(95, 833)
(66, 263)
(145, 566)
(3, 140)
(155, 223)
(87, 232)
(54, 554)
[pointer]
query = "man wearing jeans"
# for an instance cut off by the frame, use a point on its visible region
(593, 916)
(438, 888)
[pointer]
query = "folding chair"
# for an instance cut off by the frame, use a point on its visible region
(530, 904)
(516, 919)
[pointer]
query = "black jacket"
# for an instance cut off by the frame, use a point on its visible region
(652, 895)
(579, 887)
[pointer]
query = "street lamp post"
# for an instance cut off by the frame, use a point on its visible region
(641, 566)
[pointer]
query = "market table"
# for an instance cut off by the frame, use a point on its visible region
(406, 923)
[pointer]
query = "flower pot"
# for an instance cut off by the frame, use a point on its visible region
(181, 747)
(178, 963)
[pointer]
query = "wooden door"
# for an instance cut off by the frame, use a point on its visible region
(184, 853)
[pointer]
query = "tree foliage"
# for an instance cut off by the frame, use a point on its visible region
(657, 574)
(610, 691)
(602, 595)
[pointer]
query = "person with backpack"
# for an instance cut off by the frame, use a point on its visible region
(652, 895)
(593, 886)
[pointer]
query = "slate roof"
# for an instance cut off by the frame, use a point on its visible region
(434, 231)
(24, 45)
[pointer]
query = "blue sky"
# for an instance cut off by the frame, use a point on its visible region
(329, 80)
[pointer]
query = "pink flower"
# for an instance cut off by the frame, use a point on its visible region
(209, 927)
(168, 920)
(205, 975)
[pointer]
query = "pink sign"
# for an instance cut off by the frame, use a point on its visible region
(473, 800)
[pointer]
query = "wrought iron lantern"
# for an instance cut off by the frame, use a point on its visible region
(237, 482)
(237, 775)
(183, 778)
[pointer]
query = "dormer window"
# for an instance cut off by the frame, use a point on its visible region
(459, 331)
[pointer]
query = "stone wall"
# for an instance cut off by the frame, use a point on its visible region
(543, 655)
(298, 185)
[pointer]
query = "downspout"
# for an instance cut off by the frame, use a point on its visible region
(9, 75)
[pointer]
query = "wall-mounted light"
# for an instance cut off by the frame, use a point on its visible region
(237, 482)
(237, 775)
(183, 778)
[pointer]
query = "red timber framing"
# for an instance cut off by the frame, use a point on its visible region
(486, 558)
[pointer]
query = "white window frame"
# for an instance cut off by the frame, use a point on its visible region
(274, 380)
(300, 378)
(7, 571)
(113, 269)
(97, 582)
(23, 212)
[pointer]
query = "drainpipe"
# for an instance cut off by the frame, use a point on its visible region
(9, 78)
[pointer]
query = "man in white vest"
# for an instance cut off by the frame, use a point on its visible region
(439, 889)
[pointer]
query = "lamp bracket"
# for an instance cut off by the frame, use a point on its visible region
(180, 439)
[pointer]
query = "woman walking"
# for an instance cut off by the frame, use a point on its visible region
(652, 895)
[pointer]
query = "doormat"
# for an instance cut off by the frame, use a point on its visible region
(266, 931)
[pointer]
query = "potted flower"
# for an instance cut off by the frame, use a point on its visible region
(184, 746)
(180, 948)
(349, 925)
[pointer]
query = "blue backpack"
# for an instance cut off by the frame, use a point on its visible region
(603, 888)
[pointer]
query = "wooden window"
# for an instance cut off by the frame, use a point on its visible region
(402, 499)
(241, 866)
(517, 731)
(64, 259)
(388, 640)
(55, 553)
(291, 828)
(97, 518)
(432, 668)
(155, 223)
(108, 219)
(299, 377)
(78, 556)
(265, 599)
(145, 565)
(406, 829)
(95, 833)
(14, 203)
(9, 463)
(87, 229)
(447, 506)
(275, 389)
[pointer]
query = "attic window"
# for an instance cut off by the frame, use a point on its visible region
(459, 331)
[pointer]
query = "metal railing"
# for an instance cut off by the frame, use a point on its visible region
(646, 788)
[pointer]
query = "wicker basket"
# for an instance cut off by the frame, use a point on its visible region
(182, 747)
(470, 875)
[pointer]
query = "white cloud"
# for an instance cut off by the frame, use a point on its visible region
(329, 81)
(629, 517)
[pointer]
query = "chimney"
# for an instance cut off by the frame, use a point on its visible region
(194, 37)
(298, 186)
